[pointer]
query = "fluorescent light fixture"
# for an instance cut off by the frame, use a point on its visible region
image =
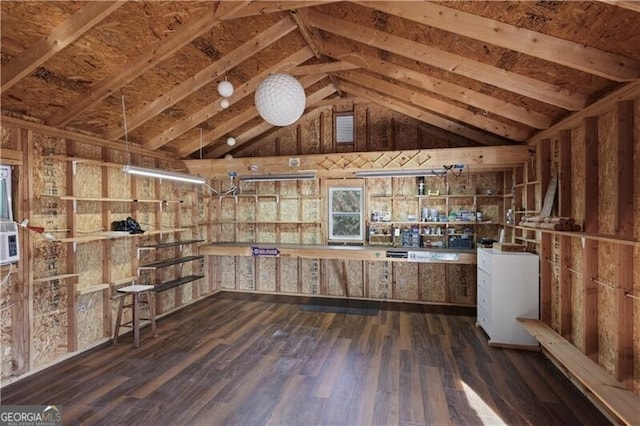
(161, 174)
(277, 177)
(400, 173)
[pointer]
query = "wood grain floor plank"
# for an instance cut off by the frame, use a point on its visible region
(251, 359)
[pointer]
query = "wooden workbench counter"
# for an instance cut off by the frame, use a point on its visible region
(340, 252)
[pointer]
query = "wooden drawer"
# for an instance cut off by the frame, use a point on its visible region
(484, 261)
(483, 320)
(484, 280)
(484, 299)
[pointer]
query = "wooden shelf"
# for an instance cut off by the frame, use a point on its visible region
(175, 283)
(269, 222)
(60, 277)
(113, 200)
(125, 280)
(87, 161)
(589, 236)
(167, 245)
(170, 262)
(527, 240)
(93, 288)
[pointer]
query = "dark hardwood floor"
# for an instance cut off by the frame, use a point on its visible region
(260, 359)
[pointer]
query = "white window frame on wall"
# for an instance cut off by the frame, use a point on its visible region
(332, 214)
(345, 127)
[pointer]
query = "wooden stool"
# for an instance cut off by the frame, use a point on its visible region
(135, 291)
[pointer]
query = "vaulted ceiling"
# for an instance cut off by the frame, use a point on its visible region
(493, 72)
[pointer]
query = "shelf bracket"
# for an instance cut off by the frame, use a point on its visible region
(75, 246)
(74, 167)
(75, 206)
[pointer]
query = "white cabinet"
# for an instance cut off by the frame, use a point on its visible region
(507, 289)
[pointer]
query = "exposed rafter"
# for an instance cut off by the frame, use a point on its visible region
(242, 91)
(419, 114)
(553, 49)
(60, 37)
(265, 7)
(441, 87)
(148, 59)
(237, 121)
(429, 103)
(495, 76)
(323, 68)
(206, 76)
(256, 131)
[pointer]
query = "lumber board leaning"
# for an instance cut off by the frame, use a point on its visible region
(600, 385)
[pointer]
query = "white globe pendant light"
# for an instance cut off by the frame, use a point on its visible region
(231, 141)
(225, 88)
(280, 99)
(224, 103)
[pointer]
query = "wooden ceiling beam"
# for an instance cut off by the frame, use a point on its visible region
(526, 86)
(266, 7)
(564, 52)
(149, 58)
(419, 114)
(440, 87)
(205, 76)
(323, 68)
(309, 34)
(235, 122)
(324, 165)
(60, 37)
(429, 103)
(625, 4)
(261, 128)
(242, 91)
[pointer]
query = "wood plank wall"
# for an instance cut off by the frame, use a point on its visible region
(58, 300)
(595, 281)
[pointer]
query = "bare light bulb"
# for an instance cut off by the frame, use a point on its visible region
(228, 157)
(231, 141)
(224, 103)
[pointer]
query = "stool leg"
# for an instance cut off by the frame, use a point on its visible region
(151, 299)
(136, 320)
(118, 320)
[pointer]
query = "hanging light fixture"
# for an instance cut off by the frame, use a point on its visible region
(224, 103)
(231, 141)
(280, 99)
(225, 88)
(162, 174)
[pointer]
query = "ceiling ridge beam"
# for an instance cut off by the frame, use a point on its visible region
(440, 87)
(58, 38)
(242, 91)
(549, 48)
(145, 61)
(420, 114)
(437, 106)
(205, 76)
(310, 36)
(323, 68)
(235, 122)
(513, 82)
(261, 128)
(266, 7)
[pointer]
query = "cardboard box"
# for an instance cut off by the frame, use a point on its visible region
(509, 247)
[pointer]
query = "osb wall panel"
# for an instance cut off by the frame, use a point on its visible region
(461, 281)
(8, 137)
(433, 282)
(8, 359)
(310, 274)
(266, 233)
(227, 272)
(245, 273)
(120, 255)
(311, 234)
(88, 259)
(606, 306)
(380, 285)
(266, 273)
(636, 251)
(288, 275)
(344, 278)
(405, 281)
(577, 295)
(89, 318)
(607, 173)
(49, 322)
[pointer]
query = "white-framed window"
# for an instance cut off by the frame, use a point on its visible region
(346, 204)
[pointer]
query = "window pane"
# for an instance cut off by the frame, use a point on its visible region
(346, 200)
(346, 226)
